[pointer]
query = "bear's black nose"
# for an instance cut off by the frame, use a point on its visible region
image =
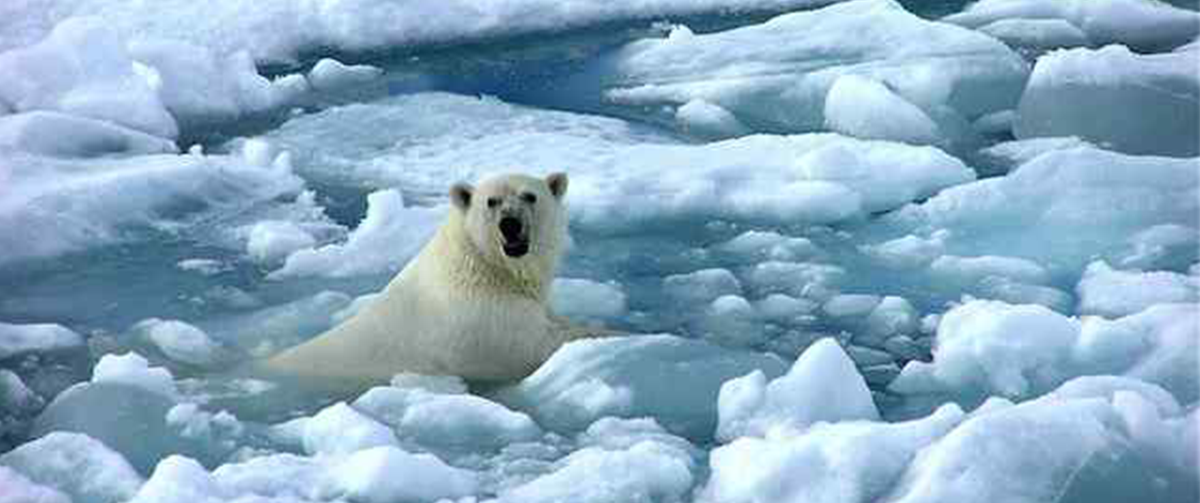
(510, 227)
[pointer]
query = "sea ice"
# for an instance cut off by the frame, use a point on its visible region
(15, 488)
(447, 420)
(777, 76)
(843, 462)
(387, 474)
(1140, 104)
(1112, 293)
(330, 74)
(634, 377)
(55, 134)
(1021, 351)
(823, 385)
(20, 339)
(178, 340)
(585, 300)
(1065, 207)
(1146, 26)
(340, 429)
(76, 464)
(642, 473)
(83, 68)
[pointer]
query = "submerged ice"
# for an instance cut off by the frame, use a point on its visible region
(907, 260)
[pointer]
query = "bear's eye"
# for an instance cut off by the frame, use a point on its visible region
(529, 197)
(493, 202)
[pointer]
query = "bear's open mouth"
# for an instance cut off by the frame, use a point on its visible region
(516, 249)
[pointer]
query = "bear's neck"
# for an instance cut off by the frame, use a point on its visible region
(473, 272)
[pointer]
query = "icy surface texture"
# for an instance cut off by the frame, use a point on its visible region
(279, 30)
(1145, 26)
(635, 377)
(822, 385)
(1019, 351)
(1140, 104)
(778, 76)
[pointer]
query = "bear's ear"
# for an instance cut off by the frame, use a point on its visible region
(460, 195)
(558, 184)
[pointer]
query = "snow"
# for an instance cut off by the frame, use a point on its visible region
(777, 76)
(1146, 26)
(634, 377)
(1113, 293)
(76, 464)
(1139, 104)
(750, 406)
(19, 339)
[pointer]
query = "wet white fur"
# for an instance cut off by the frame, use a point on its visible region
(461, 307)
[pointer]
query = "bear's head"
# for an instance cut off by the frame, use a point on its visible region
(514, 217)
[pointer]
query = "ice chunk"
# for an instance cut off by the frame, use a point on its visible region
(275, 476)
(179, 479)
(582, 299)
(893, 315)
(1064, 207)
(199, 87)
(330, 74)
(178, 340)
(126, 418)
(812, 280)
(749, 405)
(634, 377)
(863, 108)
(700, 286)
(387, 237)
(339, 429)
(776, 75)
(847, 305)
(44, 212)
(754, 246)
(908, 252)
(1109, 292)
(132, 369)
(77, 465)
(1159, 243)
(1036, 34)
(1140, 104)
(849, 462)
(706, 120)
(439, 420)
(82, 68)
(56, 134)
(385, 474)
(971, 270)
(273, 240)
(643, 473)
(1026, 350)
(1067, 450)
(1146, 26)
(1004, 157)
(15, 488)
(16, 339)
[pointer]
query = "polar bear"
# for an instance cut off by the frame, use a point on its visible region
(473, 303)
